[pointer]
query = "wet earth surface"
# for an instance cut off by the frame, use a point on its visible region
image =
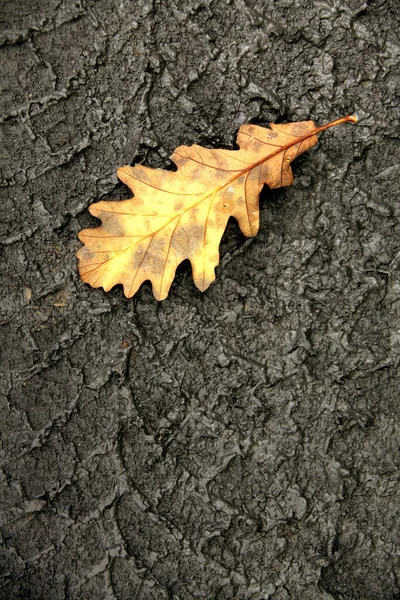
(237, 444)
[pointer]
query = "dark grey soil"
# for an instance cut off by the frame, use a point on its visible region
(237, 444)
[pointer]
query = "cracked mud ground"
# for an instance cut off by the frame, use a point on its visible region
(237, 444)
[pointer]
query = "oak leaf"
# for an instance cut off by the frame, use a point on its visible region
(182, 214)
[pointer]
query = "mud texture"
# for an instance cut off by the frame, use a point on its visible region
(237, 444)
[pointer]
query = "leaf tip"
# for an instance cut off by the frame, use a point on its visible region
(122, 170)
(159, 295)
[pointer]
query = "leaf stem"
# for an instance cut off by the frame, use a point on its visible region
(350, 118)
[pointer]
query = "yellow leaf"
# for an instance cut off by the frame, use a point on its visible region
(178, 215)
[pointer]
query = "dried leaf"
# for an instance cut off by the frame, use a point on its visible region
(178, 215)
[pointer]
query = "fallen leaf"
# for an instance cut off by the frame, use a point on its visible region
(182, 214)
